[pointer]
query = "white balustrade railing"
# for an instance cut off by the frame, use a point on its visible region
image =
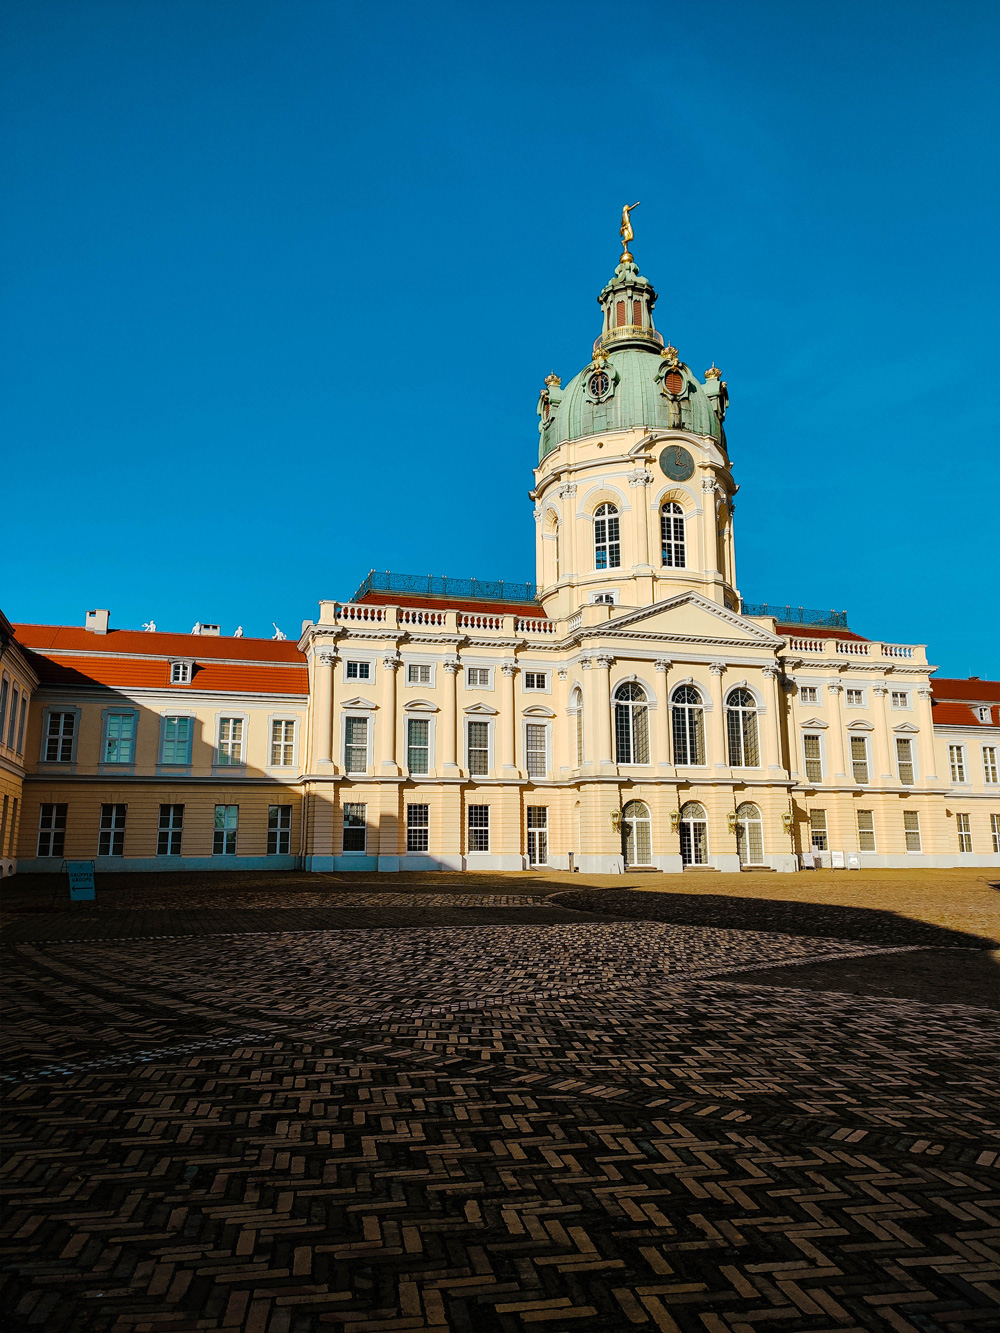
(575, 622)
(409, 615)
(896, 650)
(807, 645)
(852, 647)
(470, 620)
(361, 611)
(535, 626)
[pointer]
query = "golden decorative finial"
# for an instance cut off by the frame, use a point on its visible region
(601, 357)
(625, 230)
(553, 380)
(669, 354)
(713, 372)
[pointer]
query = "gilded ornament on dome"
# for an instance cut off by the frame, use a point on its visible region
(625, 230)
(553, 380)
(669, 354)
(713, 372)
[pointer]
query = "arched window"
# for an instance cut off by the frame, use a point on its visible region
(637, 843)
(672, 535)
(694, 834)
(620, 316)
(576, 707)
(637, 313)
(741, 727)
(749, 835)
(607, 538)
(631, 724)
(689, 726)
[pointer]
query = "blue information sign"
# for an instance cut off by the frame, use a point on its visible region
(81, 881)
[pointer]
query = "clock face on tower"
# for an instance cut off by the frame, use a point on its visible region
(676, 463)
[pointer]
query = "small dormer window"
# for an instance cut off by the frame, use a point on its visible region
(983, 713)
(180, 673)
(674, 381)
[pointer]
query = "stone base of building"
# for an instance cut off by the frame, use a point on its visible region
(8, 866)
(109, 865)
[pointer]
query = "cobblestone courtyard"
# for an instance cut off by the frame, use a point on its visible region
(289, 1103)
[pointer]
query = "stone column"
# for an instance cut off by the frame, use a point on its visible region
(589, 713)
(448, 762)
(323, 682)
(663, 665)
(568, 563)
(508, 721)
(718, 753)
(563, 737)
(387, 732)
(927, 755)
(602, 707)
(770, 735)
(639, 480)
(708, 546)
(883, 753)
(835, 758)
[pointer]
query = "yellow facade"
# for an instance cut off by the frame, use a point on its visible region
(641, 717)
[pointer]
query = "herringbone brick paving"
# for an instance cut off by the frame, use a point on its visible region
(512, 1126)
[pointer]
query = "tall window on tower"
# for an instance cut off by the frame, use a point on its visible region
(607, 538)
(672, 535)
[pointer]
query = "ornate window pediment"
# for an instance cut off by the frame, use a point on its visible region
(813, 723)
(906, 727)
(359, 702)
(420, 706)
(481, 710)
(538, 710)
(860, 726)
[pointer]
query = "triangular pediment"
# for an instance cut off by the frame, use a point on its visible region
(358, 702)
(481, 709)
(813, 722)
(689, 617)
(906, 727)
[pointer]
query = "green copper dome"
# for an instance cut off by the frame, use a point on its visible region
(633, 380)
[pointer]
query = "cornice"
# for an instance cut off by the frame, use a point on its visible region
(137, 693)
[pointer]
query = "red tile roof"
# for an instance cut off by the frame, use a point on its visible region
(73, 638)
(128, 659)
(979, 691)
(945, 713)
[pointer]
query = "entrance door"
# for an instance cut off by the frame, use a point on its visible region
(538, 835)
(749, 835)
(637, 841)
(694, 834)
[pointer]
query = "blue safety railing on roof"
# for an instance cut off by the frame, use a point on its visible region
(796, 615)
(440, 585)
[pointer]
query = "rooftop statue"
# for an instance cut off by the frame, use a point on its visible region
(625, 230)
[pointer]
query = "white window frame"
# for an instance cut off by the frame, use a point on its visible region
(170, 828)
(544, 688)
(52, 828)
(533, 830)
(991, 765)
(118, 765)
(429, 720)
(823, 832)
(957, 765)
(226, 805)
(280, 829)
(853, 736)
(479, 666)
(670, 510)
(995, 832)
(604, 597)
(868, 832)
(606, 518)
(369, 741)
(963, 826)
(181, 670)
(429, 667)
(59, 709)
(855, 689)
(914, 832)
(418, 829)
(354, 851)
(166, 717)
(912, 742)
(904, 695)
(818, 735)
(359, 659)
(813, 693)
(231, 716)
(984, 713)
(293, 718)
(477, 805)
(119, 810)
(546, 746)
(488, 723)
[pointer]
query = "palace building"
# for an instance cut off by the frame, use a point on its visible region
(626, 710)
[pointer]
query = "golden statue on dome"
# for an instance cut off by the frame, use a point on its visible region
(626, 232)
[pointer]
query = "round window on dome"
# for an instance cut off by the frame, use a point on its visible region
(599, 384)
(674, 381)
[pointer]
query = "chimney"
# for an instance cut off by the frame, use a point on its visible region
(211, 631)
(97, 621)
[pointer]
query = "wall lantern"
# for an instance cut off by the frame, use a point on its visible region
(731, 819)
(786, 821)
(616, 820)
(675, 820)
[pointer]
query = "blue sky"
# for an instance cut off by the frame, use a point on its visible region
(283, 278)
